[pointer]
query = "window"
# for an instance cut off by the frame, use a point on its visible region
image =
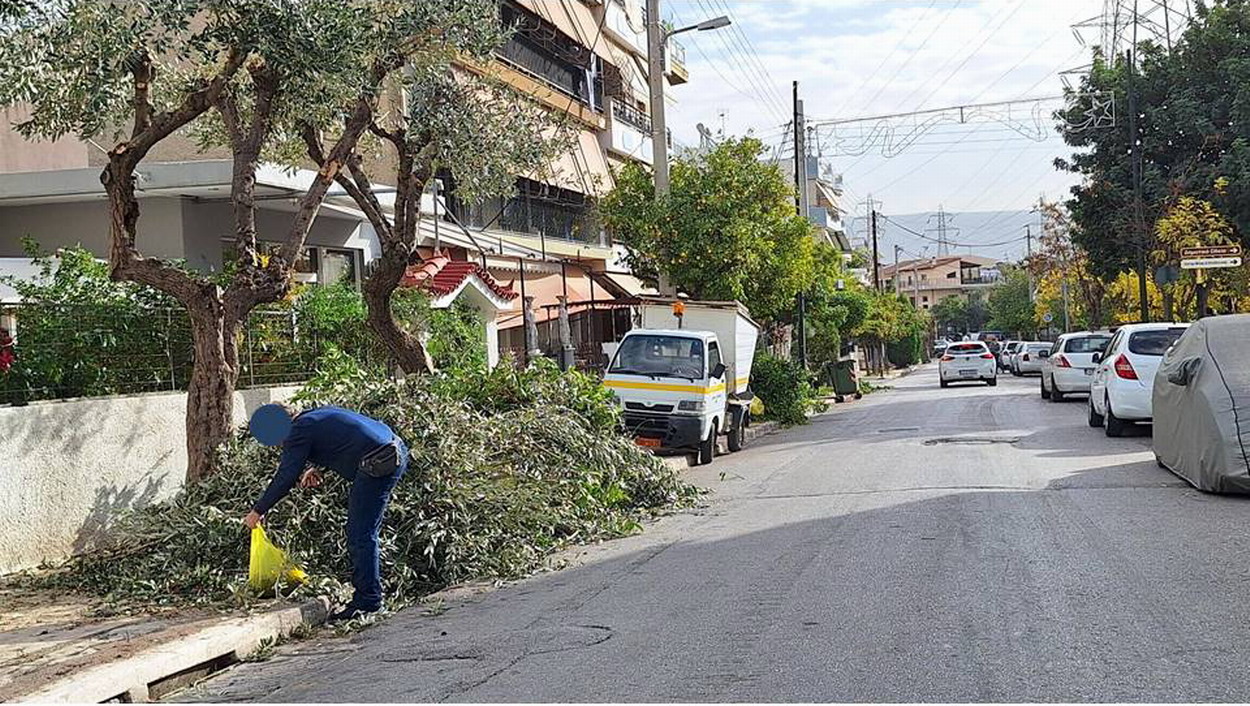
(538, 48)
(338, 266)
(713, 356)
(925, 298)
(1086, 344)
(967, 348)
(660, 356)
(316, 265)
(1154, 342)
(536, 209)
(950, 275)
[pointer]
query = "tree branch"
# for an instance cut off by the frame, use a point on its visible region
(143, 73)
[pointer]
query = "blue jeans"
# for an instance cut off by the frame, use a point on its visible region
(366, 504)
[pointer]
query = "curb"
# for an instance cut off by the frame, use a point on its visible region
(151, 673)
(681, 462)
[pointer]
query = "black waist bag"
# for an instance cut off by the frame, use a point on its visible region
(381, 462)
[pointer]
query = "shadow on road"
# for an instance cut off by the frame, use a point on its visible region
(1113, 584)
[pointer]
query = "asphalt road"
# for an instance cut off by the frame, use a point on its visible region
(968, 544)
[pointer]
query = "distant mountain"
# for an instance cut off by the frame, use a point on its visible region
(993, 234)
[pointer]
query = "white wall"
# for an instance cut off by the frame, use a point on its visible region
(67, 467)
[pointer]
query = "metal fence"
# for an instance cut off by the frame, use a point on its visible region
(64, 351)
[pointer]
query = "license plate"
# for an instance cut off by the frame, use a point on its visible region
(649, 443)
(968, 373)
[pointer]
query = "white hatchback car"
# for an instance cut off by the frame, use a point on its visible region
(969, 360)
(1120, 392)
(1070, 366)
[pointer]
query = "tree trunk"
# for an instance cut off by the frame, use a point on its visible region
(407, 349)
(1169, 302)
(210, 394)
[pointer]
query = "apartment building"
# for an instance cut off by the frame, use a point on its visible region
(585, 59)
(927, 281)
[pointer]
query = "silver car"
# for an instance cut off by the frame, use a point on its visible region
(1028, 358)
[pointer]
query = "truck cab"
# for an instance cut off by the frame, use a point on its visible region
(681, 388)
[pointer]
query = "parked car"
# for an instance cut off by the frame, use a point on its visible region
(1201, 405)
(967, 361)
(1120, 392)
(1028, 358)
(939, 346)
(1005, 355)
(1069, 368)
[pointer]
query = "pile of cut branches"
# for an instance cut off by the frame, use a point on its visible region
(508, 466)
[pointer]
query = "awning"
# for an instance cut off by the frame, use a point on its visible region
(584, 169)
(631, 285)
(547, 290)
(575, 20)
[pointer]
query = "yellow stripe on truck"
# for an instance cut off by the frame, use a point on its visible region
(631, 385)
(741, 381)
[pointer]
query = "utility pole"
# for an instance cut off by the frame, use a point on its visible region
(876, 255)
(896, 282)
(1136, 158)
(800, 207)
(1028, 240)
(655, 85)
(659, 131)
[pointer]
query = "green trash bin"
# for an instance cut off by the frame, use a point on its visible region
(845, 381)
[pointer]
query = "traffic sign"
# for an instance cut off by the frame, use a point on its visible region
(1210, 251)
(1210, 263)
(1048, 317)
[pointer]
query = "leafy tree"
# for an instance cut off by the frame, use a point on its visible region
(246, 75)
(951, 314)
(1193, 222)
(477, 130)
(727, 229)
(1059, 259)
(1011, 304)
(1193, 129)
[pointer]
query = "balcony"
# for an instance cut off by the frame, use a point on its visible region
(631, 31)
(675, 63)
(629, 133)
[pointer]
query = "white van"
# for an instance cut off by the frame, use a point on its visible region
(683, 377)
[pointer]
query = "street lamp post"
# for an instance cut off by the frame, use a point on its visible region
(657, 39)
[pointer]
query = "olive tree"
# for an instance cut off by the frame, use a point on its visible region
(244, 75)
(447, 116)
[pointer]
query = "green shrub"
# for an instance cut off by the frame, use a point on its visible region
(906, 350)
(787, 390)
(508, 466)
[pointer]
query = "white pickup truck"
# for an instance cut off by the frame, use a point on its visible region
(682, 380)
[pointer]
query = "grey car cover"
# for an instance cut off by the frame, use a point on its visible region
(1201, 403)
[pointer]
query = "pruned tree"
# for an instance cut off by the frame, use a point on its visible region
(445, 115)
(243, 75)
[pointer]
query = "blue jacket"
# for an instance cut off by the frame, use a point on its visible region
(328, 437)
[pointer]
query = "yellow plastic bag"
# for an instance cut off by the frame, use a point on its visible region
(268, 563)
(757, 407)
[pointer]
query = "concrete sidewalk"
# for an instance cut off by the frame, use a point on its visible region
(53, 649)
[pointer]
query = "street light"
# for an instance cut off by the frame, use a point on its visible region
(705, 25)
(657, 39)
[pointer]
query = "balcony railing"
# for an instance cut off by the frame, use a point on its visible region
(631, 116)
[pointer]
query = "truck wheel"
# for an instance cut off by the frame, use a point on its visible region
(737, 437)
(707, 448)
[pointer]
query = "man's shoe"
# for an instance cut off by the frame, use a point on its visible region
(350, 612)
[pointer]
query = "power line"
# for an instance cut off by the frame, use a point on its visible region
(736, 27)
(737, 56)
(922, 236)
(759, 98)
(854, 94)
(952, 74)
(915, 52)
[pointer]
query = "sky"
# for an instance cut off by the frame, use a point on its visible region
(859, 58)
